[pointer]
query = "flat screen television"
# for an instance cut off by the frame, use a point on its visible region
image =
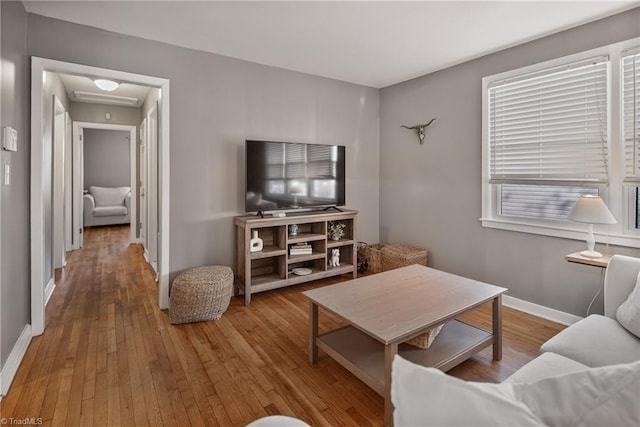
(289, 175)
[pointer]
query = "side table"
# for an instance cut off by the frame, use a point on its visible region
(576, 257)
(601, 262)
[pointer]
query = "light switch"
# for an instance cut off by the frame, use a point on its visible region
(7, 174)
(107, 116)
(9, 139)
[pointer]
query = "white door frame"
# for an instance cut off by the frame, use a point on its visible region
(68, 184)
(142, 231)
(151, 190)
(2, 184)
(132, 168)
(77, 186)
(57, 195)
(38, 67)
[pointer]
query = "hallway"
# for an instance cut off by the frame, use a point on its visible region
(100, 324)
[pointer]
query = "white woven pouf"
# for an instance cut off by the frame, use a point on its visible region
(201, 293)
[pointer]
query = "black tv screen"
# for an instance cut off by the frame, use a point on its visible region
(288, 175)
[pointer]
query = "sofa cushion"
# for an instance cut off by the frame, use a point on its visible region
(596, 341)
(109, 196)
(619, 281)
(544, 366)
(427, 397)
(110, 211)
(605, 396)
(628, 314)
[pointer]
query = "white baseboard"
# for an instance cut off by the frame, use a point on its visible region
(13, 361)
(540, 310)
(154, 264)
(48, 291)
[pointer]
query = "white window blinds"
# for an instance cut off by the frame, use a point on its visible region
(549, 202)
(550, 126)
(631, 113)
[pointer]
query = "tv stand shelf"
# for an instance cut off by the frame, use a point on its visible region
(272, 267)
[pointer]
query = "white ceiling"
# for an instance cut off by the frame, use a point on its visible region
(371, 43)
(83, 89)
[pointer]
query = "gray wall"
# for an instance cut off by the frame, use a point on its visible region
(430, 195)
(106, 158)
(95, 113)
(217, 103)
(15, 285)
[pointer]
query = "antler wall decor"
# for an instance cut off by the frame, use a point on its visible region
(419, 130)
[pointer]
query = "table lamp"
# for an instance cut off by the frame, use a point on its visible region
(591, 209)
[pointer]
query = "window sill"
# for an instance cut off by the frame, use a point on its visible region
(631, 241)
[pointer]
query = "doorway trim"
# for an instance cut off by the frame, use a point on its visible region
(38, 274)
(58, 234)
(133, 155)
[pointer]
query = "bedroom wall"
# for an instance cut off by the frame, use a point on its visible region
(216, 103)
(106, 158)
(430, 195)
(15, 285)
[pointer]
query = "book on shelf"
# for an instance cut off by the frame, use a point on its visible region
(300, 249)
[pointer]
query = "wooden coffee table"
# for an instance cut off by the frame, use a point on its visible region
(386, 309)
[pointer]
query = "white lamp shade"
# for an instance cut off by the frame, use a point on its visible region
(107, 85)
(591, 210)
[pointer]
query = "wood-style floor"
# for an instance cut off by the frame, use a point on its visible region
(110, 357)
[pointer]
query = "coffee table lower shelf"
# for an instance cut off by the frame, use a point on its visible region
(363, 355)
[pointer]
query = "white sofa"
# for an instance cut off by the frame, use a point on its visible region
(587, 375)
(596, 340)
(107, 206)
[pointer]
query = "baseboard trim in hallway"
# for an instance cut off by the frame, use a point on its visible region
(15, 358)
(48, 291)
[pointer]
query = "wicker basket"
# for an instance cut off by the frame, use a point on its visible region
(396, 256)
(425, 340)
(362, 257)
(374, 257)
(201, 293)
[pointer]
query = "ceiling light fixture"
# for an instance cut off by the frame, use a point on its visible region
(108, 85)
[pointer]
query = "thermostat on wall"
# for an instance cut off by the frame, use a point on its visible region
(9, 139)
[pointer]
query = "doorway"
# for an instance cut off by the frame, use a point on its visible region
(79, 172)
(149, 185)
(41, 253)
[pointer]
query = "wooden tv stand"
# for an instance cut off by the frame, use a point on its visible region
(272, 267)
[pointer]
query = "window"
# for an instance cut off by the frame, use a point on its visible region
(555, 131)
(637, 207)
(631, 126)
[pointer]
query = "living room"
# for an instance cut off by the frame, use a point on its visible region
(428, 195)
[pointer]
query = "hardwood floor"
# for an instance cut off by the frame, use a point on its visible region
(110, 357)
